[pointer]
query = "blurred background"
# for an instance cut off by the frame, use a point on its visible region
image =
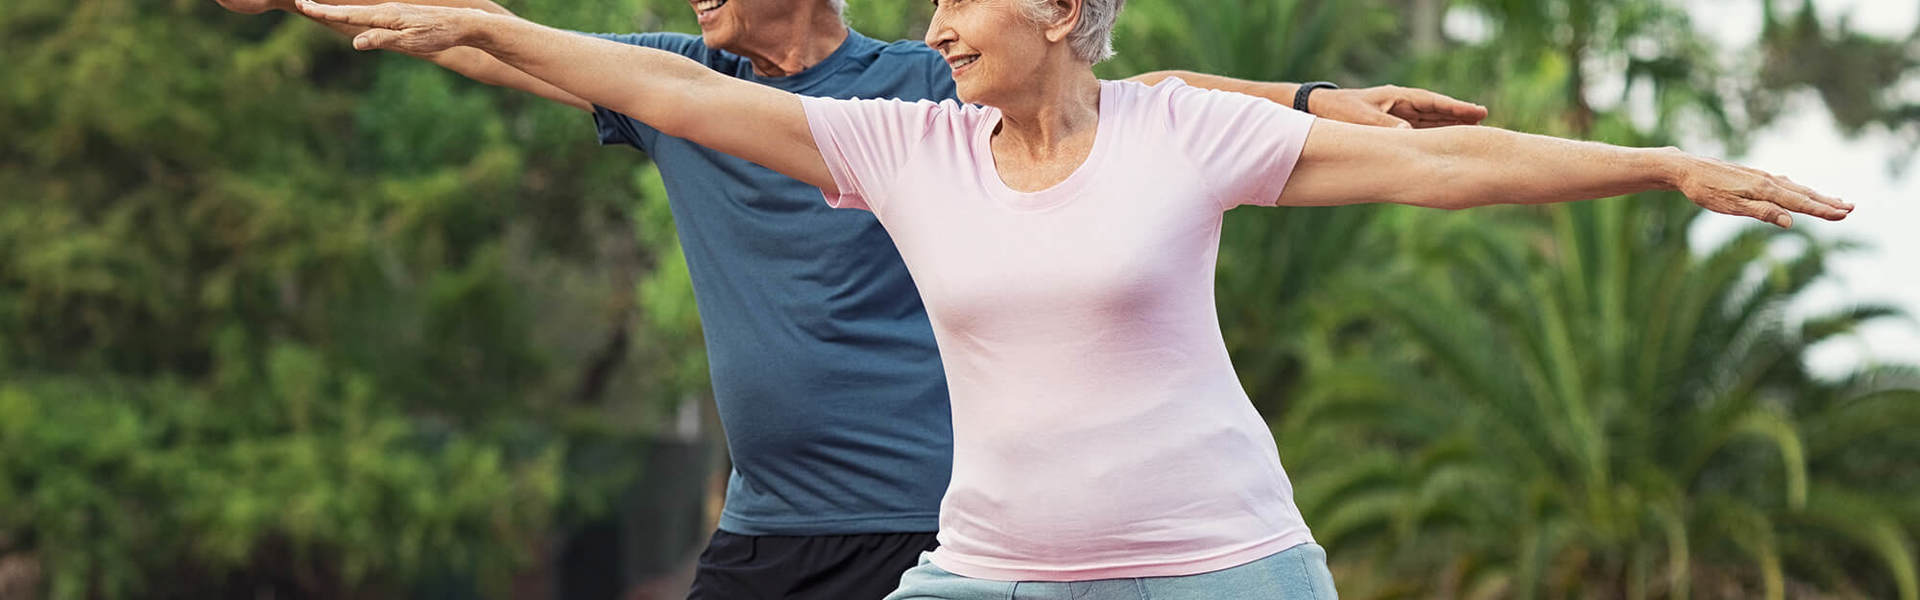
(280, 320)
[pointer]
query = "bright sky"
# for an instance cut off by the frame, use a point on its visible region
(1808, 149)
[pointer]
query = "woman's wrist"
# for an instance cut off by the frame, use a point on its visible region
(482, 29)
(1670, 167)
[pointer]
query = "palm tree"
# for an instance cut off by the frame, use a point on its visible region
(1593, 410)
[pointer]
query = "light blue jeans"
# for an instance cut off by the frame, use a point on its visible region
(1297, 573)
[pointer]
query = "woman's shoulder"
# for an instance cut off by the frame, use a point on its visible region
(1136, 97)
(1158, 104)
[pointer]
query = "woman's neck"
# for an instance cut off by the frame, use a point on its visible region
(1057, 111)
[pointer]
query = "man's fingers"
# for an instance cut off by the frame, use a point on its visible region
(375, 39)
(1440, 107)
(1438, 111)
(1379, 118)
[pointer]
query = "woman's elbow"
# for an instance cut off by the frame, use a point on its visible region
(1436, 180)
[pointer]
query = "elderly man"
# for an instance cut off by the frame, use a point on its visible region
(824, 366)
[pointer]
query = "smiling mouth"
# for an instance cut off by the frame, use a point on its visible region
(961, 62)
(706, 7)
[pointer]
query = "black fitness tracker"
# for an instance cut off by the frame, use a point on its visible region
(1300, 97)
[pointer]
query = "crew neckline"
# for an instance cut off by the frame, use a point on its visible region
(813, 75)
(1059, 193)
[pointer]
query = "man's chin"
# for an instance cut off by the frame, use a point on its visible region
(716, 37)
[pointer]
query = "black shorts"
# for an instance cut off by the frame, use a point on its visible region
(826, 567)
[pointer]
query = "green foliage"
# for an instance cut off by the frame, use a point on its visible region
(276, 315)
(1563, 402)
(154, 489)
(1593, 410)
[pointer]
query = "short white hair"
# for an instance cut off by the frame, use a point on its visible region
(1092, 38)
(839, 6)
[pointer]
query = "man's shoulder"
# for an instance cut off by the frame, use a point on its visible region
(904, 69)
(917, 54)
(909, 49)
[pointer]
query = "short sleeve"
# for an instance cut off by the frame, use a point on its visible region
(616, 129)
(866, 142)
(1247, 145)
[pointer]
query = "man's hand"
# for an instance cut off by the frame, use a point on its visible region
(406, 28)
(1394, 106)
(254, 7)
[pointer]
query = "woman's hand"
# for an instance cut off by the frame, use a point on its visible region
(406, 28)
(1732, 189)
(254, 7)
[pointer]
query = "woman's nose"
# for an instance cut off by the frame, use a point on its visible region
(937, 32)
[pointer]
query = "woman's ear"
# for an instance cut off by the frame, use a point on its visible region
(1067, 17)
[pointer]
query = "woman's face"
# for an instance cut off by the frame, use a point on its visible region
(991, 46)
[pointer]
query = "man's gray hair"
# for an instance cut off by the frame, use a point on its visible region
(1092, 38)
(839, 6)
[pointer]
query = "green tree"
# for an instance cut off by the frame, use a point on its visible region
(1599, 412)
(276, 315)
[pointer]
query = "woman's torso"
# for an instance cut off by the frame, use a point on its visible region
(1099, 429)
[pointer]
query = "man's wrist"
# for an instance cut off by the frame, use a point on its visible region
(1302, 99)
(1281, 93)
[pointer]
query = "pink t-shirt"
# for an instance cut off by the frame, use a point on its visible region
(1099, 430)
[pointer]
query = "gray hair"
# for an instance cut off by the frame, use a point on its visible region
(839, 6)
(1092, 38)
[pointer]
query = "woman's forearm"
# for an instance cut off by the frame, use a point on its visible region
(1464, 167)
(647, 84)
(1478, 166)
(669, 92)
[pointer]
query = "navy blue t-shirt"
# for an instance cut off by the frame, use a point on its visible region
(824, 366)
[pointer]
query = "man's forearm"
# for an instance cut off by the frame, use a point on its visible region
(484, 68)
(1279, 92)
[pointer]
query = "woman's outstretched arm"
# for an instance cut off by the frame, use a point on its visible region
(472, 63)
(669, 92)
(1464, 167)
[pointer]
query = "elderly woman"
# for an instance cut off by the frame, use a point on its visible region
(1062, 231)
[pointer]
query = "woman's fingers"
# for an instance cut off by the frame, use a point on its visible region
(1762, 211)
(1785, 196)
(1816, 196)
(1737, 190)
(380, 15)
(1784, 181)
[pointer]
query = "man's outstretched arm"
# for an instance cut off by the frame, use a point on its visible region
(1383, 106)
(471, 62)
